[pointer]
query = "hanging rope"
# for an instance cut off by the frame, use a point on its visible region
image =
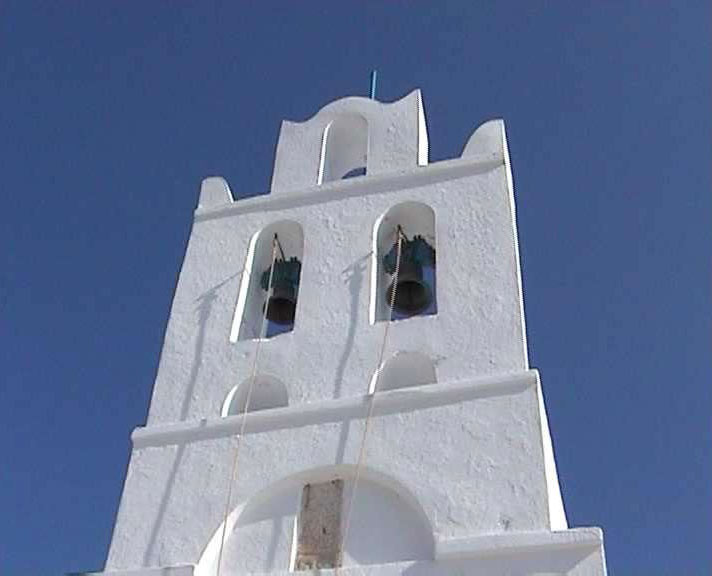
(255, 361)
(372, 399)
(281, 251)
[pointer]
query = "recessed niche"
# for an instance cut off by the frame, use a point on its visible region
(416, 285)
(404, 370)
(267, 392)
(282, 241)
(344, 149)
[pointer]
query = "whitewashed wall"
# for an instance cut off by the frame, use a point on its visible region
(462, 462)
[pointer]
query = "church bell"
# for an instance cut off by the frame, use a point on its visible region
(413, 294)
(282, 303)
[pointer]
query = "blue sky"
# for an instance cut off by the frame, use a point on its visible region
(112, 113)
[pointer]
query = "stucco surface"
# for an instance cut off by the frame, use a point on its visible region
(472, 466)
(397, 135)
(333, 349)
(465, 462)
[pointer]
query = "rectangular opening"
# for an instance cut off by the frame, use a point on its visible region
(319, 526)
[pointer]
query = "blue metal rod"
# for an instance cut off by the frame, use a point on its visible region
(374, 76)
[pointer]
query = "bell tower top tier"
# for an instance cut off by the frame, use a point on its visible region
(347, 135)
(344, 381)
(344, 183)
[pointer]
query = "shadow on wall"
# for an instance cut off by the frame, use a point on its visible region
(203, 309)
(267, 392)
(387, 525)
(384, 527)
(404, 370)
(354, 278)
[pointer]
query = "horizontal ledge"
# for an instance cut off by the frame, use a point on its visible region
(514, 542)
(361, 186)
(461, 549)
(327, 411)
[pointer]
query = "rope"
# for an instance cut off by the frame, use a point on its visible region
(371, 399)
(281, 250)
(233, 475)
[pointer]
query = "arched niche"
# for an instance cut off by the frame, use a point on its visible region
(387, 524)
(404, 370)
(247, 323)
(344, 149)
(414, 219)
(267, 392)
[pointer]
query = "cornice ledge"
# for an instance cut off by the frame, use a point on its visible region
(361, 186)
(327, 411)
(513, 542)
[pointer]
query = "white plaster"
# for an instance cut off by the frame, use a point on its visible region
(494, 544)
(267, 393)
(397, 139)
(442, 171)
(423, 146)
(458, 448)
(478, 328)
(384, 528)
(344, 148)
(333, 411)
(402, 370)
(577, 552)
(487, 142)
(245, 283)
(214, 191)
(515, 234)
(374, 304)
(294, 545)
(469, 454)
(557, 515)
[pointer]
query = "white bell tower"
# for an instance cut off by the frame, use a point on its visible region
(344, 383)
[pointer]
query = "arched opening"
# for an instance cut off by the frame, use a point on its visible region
(267, 392)
(416, 287)
(263, 534)
(264, 309)
(344, 149)
(403, 370)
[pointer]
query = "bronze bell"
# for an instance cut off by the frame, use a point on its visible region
(413, 295)
(282, 301)
(282, 305)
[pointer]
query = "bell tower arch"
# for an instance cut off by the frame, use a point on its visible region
(344, 149)
(416, 294)
(344, 382)
(269, 287)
